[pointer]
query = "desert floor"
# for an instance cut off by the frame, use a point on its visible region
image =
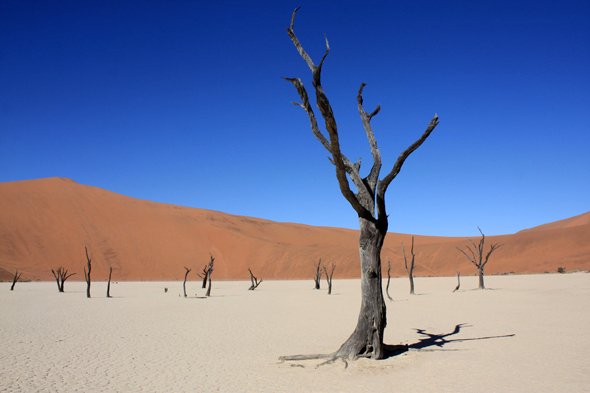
(526, 333)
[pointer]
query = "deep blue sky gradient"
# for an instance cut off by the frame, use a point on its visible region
(182, 102)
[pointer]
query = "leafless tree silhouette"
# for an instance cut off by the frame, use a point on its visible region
(369, 204)
(15, 279)
(255, 282)
(60, 277)
(87, 273)
(478, 259)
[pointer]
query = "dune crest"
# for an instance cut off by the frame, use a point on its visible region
(46, 223)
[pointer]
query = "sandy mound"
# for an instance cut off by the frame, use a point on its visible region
(46, 223)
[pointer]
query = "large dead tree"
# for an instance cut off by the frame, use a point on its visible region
(477, 257)
(87, 273)
(15, 279)
(369, 204)
(60, 277)
(184, 283)
(410, 269)
(318, 274)
(329, 277)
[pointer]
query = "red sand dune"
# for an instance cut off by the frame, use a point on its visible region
(46, 223)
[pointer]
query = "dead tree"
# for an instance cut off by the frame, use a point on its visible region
(369, 204)
(60, 277)
(255, 282)
(410, 270)
(388, 279)
(318, 274)
(109, 284)
(209, 272)
(329, 278)
(15, 279)
(184, 283)
(206, 269)
(87, 273)
(458, 281)
(478, 259)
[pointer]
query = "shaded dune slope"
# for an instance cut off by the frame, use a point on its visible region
(46, 223)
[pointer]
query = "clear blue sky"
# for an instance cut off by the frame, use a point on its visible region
(182, 102)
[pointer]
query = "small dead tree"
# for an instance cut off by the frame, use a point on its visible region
(329, 277)
(458, 281)
(410, 270)
(15, 279)
(388, 279)
(255, 282)
(318, 274)
(87, 273)
(209, 272)
(368, 202)
(184, 283)
(477, 257)
(109, 284)
(206, 269)
(60, 277)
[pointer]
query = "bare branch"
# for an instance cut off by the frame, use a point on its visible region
(383, 184)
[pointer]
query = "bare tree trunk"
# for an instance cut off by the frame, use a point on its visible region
(15, 279)
(318, 274)
(209, 288)
(329, 277)
(458, 281)
(184, 283)
(109, 284)
(367, 338)
(87, 273)
(410, 270)
(204, 276)
(480, 274)
(255, 282)
(388, 279)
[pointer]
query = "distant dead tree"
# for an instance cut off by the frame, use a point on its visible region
(478, 260)
(209, 272)
(15, 279)
(329, 278)
(388, 279)
(255, 282)
(184, 283)
(87, 273)
(458, 281)
(318, 274)
(109, 284)
(367, 200)
(206, 271)
(410, 270)
(61, 276)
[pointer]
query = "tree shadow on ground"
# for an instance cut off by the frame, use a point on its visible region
(434, 342)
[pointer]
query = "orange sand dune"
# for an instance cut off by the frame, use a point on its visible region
(46, 223)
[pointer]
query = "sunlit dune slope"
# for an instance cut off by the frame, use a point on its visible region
(46, 223)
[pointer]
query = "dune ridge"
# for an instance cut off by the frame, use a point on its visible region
(46, 223)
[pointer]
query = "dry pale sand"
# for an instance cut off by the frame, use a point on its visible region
(524, 334)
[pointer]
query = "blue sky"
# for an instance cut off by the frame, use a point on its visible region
(182, 102)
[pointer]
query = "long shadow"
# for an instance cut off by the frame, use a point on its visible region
(434, 340)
